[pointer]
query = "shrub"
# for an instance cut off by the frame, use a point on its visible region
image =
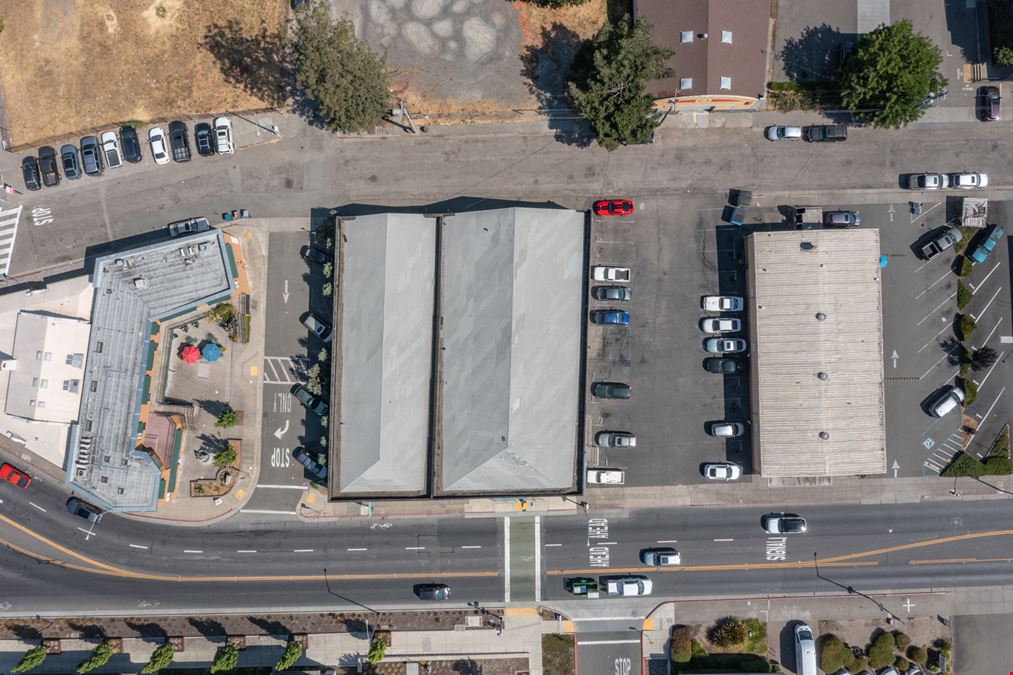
(943, 645)
(161, 11)
(998, 466)
(964, 296)
(901, 639)
(881, 650)
(756, 636)
(965, 267)
(728, 632)
(377, 650)
(98, 658)
(327, 290)
(682, 649)
(328, 270)
(160, 658)
(226, 659)
(222, 313)
(698, 651)
(901, 664)
(1003, 56)
(227, 419)
(970, 391)
(293, 650)
(964, 464)
(834, 654)
(918, 654)
(33, 658)
(967, 325)
(225, 458)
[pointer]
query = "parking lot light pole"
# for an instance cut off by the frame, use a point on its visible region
(890, 616)
(582, 504)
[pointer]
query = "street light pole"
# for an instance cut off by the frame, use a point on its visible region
(890, 616)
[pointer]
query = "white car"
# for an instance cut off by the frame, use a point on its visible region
(728, 429)
(722, 303)
(616, 274)
(968, 181)
(318, 327)
(111, 149)
(223, 135)
(719, 325)
(605, 477)
(929, 181)
(156, 141)
(615, 439)
(780, 132)
(660, 557)
(722, 471)
(630, 585)
(725, 345)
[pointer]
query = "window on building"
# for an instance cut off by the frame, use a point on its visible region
(686, 83)
(31, 403)
(38, 356)
(686, 36)
(726, 83)
(71, 385)
(120, 491)
(726, 37)
(35, 381)
(42, 404)
(104, 479)
(44, 384)
(48, 356)
(76, 360)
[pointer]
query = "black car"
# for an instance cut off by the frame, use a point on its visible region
(30, 171)
(314, 254)
(91, 156)
(610, 390)
(47, 165)
(203, 139)
(179, 142)
(825, 133)
(432, 591)
(990, 104)
(130, 144)
(723, 366)
(84, 510)
(620, 293)
(71, 162)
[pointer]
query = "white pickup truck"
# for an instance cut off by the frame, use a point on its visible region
(613, 274)
(629, 586)
(606, 476)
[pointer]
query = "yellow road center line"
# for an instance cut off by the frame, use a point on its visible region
(957, 561)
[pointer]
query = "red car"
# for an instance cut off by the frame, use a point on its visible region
(12, 475)
(613, 207)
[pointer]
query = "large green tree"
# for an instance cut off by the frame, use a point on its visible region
(226, 659)
(160, 658)
(887, 77)
(607, 82)
(348, 81)
(98, 658)
(33, 658)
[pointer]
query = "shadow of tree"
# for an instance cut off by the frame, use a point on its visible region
(88, 631)
(467, 667)
(812, 55)
(207, 627)
(547, 70)
(213, 408)
(255, 61)
(271, 627)
(148, 629)
(953, 348)
(26, 633)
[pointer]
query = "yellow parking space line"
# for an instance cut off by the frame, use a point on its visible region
(254, 370)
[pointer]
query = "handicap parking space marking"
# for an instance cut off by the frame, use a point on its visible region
(944, 452)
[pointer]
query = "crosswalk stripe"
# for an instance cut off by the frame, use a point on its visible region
(8, 231)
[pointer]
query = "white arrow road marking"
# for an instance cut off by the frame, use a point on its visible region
(284, 293)
(894, 356)
(281, 431)
(895, 467)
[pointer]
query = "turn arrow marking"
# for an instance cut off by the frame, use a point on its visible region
(284, 293)
(281, 431)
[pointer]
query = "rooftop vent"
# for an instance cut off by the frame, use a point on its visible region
(821, 375)
(824, 435)
(820, 316)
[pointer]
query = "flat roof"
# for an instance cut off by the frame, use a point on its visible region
(510, 312)
(816, 339)
(132, 290)
(385, 304)
(49, 350)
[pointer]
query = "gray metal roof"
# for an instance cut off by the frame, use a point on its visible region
(386, 295)
(132, 289)
(795, 276)
(511, 282)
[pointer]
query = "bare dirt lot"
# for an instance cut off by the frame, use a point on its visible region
(72, 65)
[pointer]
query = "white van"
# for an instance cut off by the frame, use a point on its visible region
(805, 650)
(948, 401)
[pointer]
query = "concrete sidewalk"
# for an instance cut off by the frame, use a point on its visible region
(520, 637)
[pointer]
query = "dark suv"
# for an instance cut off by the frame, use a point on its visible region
(313, 467)
(47, 165)
(203, 139)
(91, 156)
(990, 104)
(179, 142)
(130, 144)
(825, 133)
(71, 163)
(30, 172)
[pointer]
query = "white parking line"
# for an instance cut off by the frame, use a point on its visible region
(945, 276)
(547, 545)
(143, 548)
(415, 548)
(933, 366)
(283, 487)
(988, 304)
(356, 549)
(246, 550)
(946, 326)
(88, 532)
(989, 412)
(936, 309)
(192, 550)
(302, 550)
(538, 559)
(985, 379)
(724, 540)
(992, 332)
(471, 547)
(982, 282)
(668, 541)
(39, 507)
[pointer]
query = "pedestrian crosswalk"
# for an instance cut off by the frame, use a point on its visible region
(8, 231)
(285, 369)
(942, 454)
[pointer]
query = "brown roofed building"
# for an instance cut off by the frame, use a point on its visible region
(721, 49)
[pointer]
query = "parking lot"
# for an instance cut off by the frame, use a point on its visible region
(678, 250)
(288, 353)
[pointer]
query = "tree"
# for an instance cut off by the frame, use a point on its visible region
(983, 359)
(881, 650)
(728, 632)
(348, 82)
(98, 658)
(607, 82)
(293, 650)
(227, 419)
(886, 79)
(33, 658)
(222, 313)
(226, 659)
(160, 658)
(834, 654)
(225, 458)
(1003, 56)
(377, 650)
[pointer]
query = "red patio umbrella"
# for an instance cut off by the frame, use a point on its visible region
(190, 354)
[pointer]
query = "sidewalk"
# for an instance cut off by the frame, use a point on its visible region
(519, 639)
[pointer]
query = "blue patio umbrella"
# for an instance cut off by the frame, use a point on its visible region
(211, 352)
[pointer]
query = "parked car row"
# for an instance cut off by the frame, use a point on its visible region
(720, 325)
(814, 133)
(617, 390)
(111, 148)
(965, 180)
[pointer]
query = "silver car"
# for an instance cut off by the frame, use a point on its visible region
(615, 439)
(780, 132)
(725, 345)
(660, 557)
(722, 471)
(728, 429)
